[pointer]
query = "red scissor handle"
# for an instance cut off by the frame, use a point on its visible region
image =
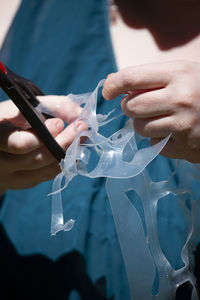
(3, 68)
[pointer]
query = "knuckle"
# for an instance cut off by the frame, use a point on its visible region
(186, 98)
(181, 67)
(181, 126)
(190, 95)
(38, 158)
(19, 145)
(127, 78)
(51, 171)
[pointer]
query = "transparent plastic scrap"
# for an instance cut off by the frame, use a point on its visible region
(124, 165)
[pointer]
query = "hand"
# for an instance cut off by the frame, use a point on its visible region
(24, 160)
(162, 98)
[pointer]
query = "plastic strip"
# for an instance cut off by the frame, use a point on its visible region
(120, 160)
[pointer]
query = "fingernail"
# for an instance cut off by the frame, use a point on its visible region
(59, 124)
(80, 127)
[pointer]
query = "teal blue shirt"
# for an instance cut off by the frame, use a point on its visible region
(64, 47)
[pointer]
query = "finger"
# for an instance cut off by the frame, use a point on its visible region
(36, 159)
(40, 157)
(60, 106)
(27, 179)
(149, 76)
(17, 141)
(66, 137)
(154, 127)
(147, 105)
(10, 112)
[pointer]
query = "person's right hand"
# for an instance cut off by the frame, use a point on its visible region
(24, 160)
(162, 99)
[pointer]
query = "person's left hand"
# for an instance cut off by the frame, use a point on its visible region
(162, 98)
(24, 160)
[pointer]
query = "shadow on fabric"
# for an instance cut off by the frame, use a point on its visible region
(37, 277)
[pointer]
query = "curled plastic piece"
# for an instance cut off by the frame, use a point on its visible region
(150, 273)
(111, 151)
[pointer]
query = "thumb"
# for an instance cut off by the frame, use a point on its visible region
(17, 141)
(137, 78)
(10, 113)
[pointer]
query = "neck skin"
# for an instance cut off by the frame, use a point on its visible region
(171, 23)
(156, 31)
(8, 10)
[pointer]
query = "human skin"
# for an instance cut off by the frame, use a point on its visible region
(162, 98)
(24, 160)
(165, 74)
(171, 22)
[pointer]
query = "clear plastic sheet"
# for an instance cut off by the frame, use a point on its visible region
(120, 160)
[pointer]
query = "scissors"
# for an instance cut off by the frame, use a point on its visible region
(23, 93)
